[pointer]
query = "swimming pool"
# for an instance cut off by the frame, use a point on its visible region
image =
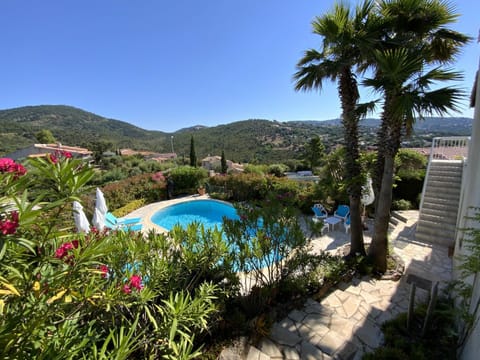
(210, 213)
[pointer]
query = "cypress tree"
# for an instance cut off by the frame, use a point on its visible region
(224, 163)
(193, 156)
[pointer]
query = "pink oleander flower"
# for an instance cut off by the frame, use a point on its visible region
(9, 225)
(136, 282)
(64, 249)
(7, 165)
(66, 154)
(59, 155)
(158, 177)
(53, 158)
(126, 289)
(105, 270)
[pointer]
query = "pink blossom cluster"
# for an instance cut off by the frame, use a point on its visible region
(63, 251)
(158, 177)
(7, 165)
(105, 271)
(135, 282)
(9, 225)
(55, 157)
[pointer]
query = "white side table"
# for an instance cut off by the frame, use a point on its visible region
(332, 221)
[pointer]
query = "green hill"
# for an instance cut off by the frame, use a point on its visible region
(264, 141)
(71, 126)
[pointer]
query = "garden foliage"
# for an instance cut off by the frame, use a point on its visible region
(101, 295)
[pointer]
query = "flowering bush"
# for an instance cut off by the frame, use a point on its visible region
(8, 226)
(102, 295)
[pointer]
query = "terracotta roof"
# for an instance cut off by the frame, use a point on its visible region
(61, 147)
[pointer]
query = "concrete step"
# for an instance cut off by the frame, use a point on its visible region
(442, 188)
(454, 177)
(432, 228)
(440, 211)
(394, 221)
(449, 163)
(439, 203)
(435, 239)
(439, 197)
(443, 222)
(398, 216)
(444, 183)
(441, 193)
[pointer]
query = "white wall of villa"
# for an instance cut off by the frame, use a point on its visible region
(471, 199)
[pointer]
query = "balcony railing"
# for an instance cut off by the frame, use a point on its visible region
(449, 148)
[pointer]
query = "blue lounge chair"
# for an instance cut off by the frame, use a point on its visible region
(320, 212)
(124, 227)
(347, 224)
(112, 219)
(342, 212)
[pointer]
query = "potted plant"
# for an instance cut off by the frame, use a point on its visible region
(201, 189)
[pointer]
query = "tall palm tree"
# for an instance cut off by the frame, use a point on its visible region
(410, 59)
(345, 37)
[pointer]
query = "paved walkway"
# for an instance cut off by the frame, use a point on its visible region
(345, 324)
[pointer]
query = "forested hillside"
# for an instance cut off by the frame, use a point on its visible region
(263, 141)
(71, 126)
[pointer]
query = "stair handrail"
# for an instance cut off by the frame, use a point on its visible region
(450, 142)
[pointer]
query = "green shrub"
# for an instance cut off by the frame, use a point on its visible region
(144, 186)
(127, 209)
(187, 178)
(277, 170)
(256, 169)
(108, 295)
(402, 204)
(439, 341)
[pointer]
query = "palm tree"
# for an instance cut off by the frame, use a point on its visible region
(345, 36)
(409, 61)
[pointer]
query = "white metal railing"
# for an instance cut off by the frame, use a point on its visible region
(449, 148)
(446, 148)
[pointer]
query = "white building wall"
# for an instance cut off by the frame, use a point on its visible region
(471, 198)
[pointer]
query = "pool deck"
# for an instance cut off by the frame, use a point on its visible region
(147, 212)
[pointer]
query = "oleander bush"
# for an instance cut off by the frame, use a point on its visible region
(187, 179)
(101, 295)
(257, 187)
(148, 187)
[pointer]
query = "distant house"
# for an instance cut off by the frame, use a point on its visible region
(211, 162)
(149, 155)
(215, 163)
(38, 150)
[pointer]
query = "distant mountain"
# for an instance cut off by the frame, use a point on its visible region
(454, 125)
(243, 141)
(71, 126)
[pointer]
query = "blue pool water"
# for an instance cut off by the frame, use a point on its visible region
(207, 212)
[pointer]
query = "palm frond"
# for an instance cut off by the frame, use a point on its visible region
(441, 101)
(364, 109)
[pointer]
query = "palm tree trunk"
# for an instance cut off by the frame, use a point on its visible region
(349, 96)
(378, 250)
(357, 246)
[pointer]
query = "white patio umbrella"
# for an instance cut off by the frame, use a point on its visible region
(81, 221)
(100, 210)
(368, 196)
(98, 219)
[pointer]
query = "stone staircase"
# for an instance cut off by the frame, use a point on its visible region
(438, 217)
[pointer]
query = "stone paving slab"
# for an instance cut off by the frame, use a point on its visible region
(346, 323)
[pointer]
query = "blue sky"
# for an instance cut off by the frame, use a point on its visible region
(165, 65)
